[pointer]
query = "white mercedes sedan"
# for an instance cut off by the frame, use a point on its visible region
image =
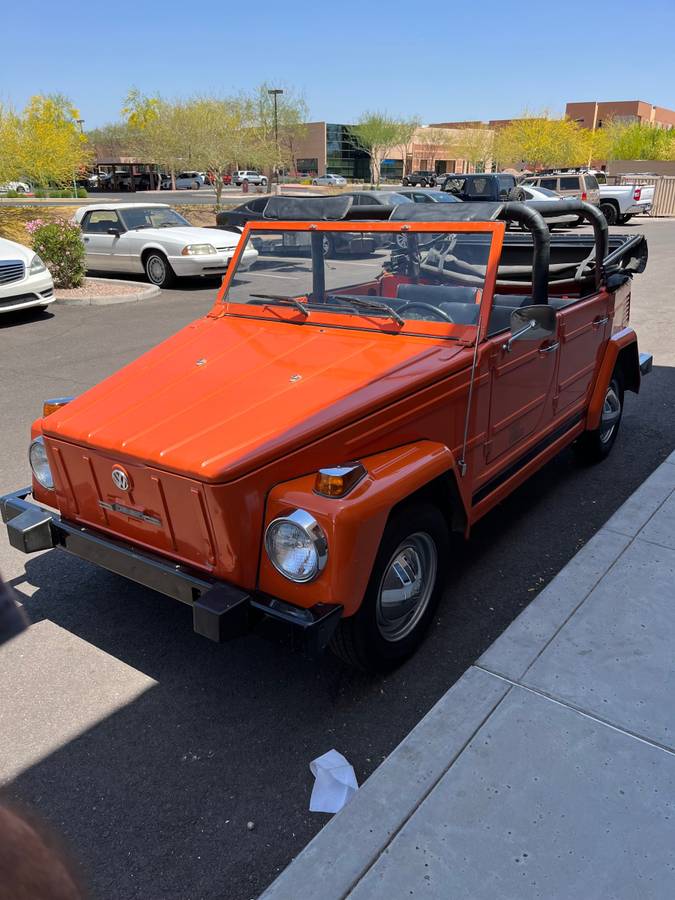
(24, 279)
(155, 239)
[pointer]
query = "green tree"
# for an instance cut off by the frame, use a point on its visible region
(43, 144)
(639, 141)
(540, 140)
(279, 137)
(377, 133)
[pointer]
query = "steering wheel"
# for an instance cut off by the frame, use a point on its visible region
(437, 313)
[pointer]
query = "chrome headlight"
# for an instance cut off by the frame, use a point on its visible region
(40, 464)
(198, 249)
(297, 546)
(37, 265)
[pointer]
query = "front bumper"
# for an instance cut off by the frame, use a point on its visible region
(32, 290)
(209, 263)
(220, 611)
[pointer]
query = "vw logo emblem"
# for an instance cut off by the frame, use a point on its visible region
(120, 478)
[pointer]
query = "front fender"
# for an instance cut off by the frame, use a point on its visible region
(622, 351)
(353, 524)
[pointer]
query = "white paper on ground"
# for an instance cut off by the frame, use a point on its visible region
(335, 782)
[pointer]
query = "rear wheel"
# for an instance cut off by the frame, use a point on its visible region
(403, 592)
(610, 212)
(158, 269)
(594, 446)
(624, 219)
(196, 185)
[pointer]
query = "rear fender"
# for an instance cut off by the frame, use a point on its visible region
(621, 354)
(353, 524)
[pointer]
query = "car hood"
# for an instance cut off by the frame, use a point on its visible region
(12, 250)
(226, 395)
(191, 234)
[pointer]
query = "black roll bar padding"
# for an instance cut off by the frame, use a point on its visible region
(526, 215)
(587, 211)
(318, 271)
(299, 209)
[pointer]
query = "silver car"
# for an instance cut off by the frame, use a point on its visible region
(329, 179)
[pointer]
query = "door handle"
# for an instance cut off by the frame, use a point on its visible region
(598, 323)
(549, 348)
(86, 240)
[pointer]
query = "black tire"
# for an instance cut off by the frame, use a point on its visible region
(360, 640)
(610, 212)
(158, 269)
(196, 185)
(624, 219)
(328, 245)
(594, 446)
(405, 182)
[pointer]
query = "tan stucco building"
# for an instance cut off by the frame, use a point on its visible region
(595, 114)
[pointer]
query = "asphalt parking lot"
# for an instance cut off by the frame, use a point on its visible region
(150, 749)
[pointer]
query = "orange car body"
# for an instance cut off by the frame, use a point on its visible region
(223, 427)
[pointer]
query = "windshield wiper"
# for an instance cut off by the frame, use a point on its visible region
(280, 298)
(367, 303)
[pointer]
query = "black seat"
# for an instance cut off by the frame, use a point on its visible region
(435, 294)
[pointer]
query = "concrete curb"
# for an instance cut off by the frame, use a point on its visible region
(341, 854)
(138, 291)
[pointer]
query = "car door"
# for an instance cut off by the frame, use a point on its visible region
(100, 244)
(522, 380)
(584, 332)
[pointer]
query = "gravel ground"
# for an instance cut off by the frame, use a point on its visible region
(94, 287)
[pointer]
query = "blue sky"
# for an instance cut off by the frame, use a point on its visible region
(440, 61)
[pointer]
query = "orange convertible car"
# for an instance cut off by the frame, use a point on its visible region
(301, 453)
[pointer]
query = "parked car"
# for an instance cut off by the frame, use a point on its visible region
(572, 185)
(155, 239)
(21, 187)
(495, 186)
(528, 193)
(329, 179)
(24, 278)
(190, 181)
(250, 211)
(248, 176)
(620, 202)
(300, 455)
(427, 195)
(419, 179)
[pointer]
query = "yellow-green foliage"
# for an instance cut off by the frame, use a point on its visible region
(13, 219)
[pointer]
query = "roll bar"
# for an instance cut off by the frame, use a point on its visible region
(533, 215)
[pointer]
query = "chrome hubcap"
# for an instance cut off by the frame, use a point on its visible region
(611, 410)
(406, 586)
(156, 269)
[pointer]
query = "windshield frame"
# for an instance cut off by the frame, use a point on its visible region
(465, 334)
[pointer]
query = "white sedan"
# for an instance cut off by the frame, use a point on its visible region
(155, 239)
(24, 279)
(329, 179)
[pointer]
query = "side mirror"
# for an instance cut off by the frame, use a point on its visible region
(531, 323)
(115, 229)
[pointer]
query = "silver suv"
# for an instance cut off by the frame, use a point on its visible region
(250, 176)
(572, 185)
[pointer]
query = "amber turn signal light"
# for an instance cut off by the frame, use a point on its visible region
(338, 480)
(50, 406)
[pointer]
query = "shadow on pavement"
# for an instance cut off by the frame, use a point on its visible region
(155, 799)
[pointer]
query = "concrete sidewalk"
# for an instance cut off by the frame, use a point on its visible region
(548, 769)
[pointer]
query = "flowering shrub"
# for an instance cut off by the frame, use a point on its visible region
(59, 243)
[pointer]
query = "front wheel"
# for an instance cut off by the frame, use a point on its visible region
(328, 246)
(196, 185)
(594, 446)
(158, 270)
(403, 592)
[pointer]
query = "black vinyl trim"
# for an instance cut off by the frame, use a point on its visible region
(526, 458)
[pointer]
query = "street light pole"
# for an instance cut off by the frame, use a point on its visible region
(275, 93)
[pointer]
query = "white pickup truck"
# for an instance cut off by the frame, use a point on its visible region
(620, 202)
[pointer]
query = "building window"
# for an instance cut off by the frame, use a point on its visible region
(343, 155)
(310, 165)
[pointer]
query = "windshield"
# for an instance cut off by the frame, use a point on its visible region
(395, 278)
(151, 217)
